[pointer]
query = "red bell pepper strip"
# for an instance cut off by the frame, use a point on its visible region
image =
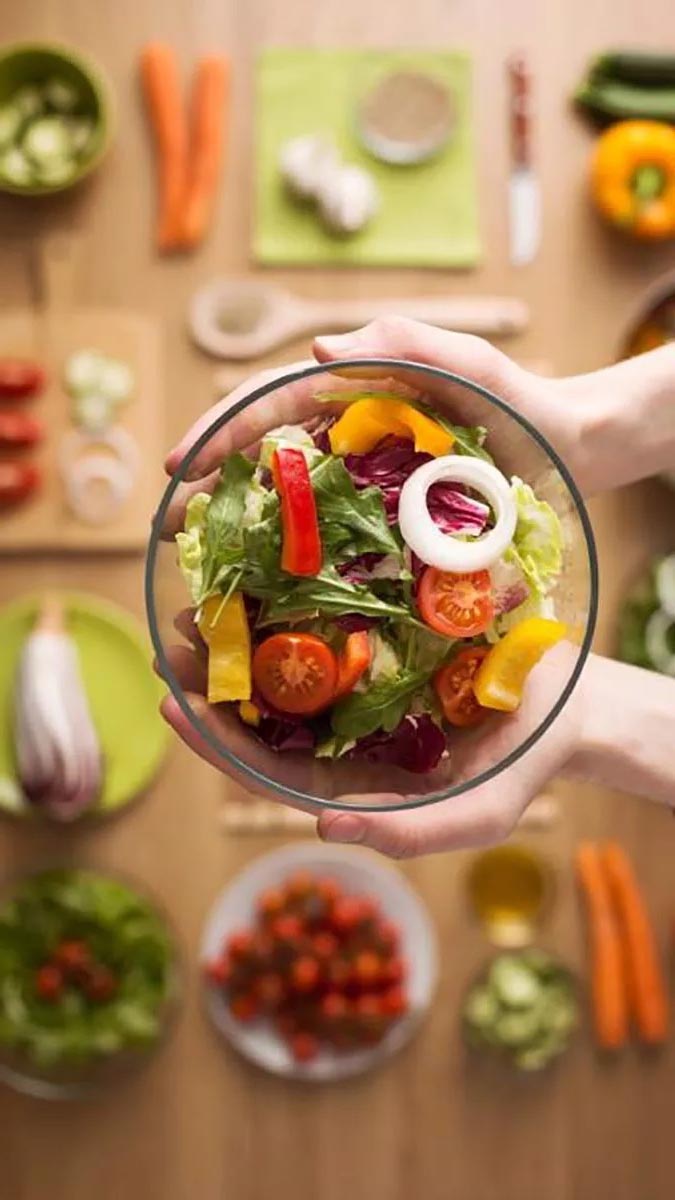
(301, 540)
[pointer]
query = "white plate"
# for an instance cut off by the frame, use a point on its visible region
(357, 871)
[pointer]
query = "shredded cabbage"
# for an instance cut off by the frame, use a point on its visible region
(191, 543)
(285, 437)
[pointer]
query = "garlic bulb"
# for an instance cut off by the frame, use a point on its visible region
(304, 162)
(348, 199)
(57, 748)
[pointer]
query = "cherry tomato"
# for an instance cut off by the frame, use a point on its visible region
(394, 971)
(286, 1025)
(240, 945)
(353, 660)
(17, 481)
(339, 974)
(394, 1002)
(72, 957)
(366, 969)
(218, 972)
(305, 974)
(453, 685)
(304, 1047)
(244, 1007)
(18, 430)
(99, 984)
(287, 929)
(346, 915)
(324, 946)
(334, 1006)
(271, 903)
(329, 889)
(300, 885)
(269, 990)
(456, 605)
(368, 1006)
(388, 935)
(49, 983)
(20, 378)
(295, 672)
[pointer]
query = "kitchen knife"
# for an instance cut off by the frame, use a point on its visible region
(524, 192)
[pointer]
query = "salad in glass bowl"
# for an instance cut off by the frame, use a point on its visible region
(371, 583)
(88, 974)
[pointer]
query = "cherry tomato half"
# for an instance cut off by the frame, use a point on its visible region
(454, 687)
(296, 672)
(353, 660)
(17, 481)
(456, 605)
(20, 378)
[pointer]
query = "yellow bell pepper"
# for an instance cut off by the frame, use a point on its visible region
(224, 628)
(249, 713)
(500, 680)
(368, 420)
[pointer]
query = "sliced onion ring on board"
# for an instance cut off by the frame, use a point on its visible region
(79, 441)
(83, 481)
(438, 549)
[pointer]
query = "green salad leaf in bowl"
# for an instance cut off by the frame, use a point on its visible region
(87, 976)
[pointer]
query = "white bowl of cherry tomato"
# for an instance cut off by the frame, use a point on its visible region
(318, 963)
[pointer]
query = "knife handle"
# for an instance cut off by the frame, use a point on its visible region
(520, 111)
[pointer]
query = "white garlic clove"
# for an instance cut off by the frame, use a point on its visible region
(348, 199)
(304, 163)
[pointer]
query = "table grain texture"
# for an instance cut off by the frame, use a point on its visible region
(199, 1124)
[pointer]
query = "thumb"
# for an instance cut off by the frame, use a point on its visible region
(398, 337)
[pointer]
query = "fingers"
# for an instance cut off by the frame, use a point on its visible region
(184, 623)
(293, 402)
(398, 337)
(189, 667)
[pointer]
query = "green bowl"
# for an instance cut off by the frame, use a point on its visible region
(35, 63)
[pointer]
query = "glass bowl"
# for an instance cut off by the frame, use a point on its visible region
(476, 755)
(77, 1075)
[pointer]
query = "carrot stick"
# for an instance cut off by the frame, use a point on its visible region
(161, 84)
(608, 982)
(647, 994)
(208, 121)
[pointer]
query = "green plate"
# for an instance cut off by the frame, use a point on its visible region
(122, 689)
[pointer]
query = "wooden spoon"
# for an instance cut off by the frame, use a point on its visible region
(245, 318)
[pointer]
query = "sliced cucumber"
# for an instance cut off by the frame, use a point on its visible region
(46, 141)
(10, 123)
(660, 641)
(28, 102)
(665, 584)
(116, 381)
(80, 132)
(82, 374)
(515, 984)
(15, 167)
(517, 1028)
(61, 95)
(55, 173)
(482, 1008)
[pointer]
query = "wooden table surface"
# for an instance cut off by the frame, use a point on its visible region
(199, 1123)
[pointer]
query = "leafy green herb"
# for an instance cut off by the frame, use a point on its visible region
(469, 439)
(223, 532)
(325, 593)
(350, 519)
(383, 706)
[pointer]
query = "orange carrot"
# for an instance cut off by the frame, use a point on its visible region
(208, 121)
(159, 76)
(608, 981)
(647, 993)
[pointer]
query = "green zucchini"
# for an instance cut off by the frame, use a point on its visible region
(636, 66)
(610, 99)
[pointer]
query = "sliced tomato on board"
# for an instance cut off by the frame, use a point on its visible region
(20, 378)
(458, 606)
(453, 685)
(17, 430)
(17, 481)
(296, 672)
(353, 660)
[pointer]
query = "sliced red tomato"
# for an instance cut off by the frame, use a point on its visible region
(17, 481)
(353, 660)
(20, 378)
(17, 430)
(296, 672)
(454, 687)
(456, 605)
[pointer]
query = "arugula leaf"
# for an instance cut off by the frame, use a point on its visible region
(350, 519)
(326, 593)
(383, 706)
(223, 530)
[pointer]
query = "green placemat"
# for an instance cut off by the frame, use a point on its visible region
(122, 690)
(428, 216)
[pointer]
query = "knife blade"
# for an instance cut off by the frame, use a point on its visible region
(524, 189)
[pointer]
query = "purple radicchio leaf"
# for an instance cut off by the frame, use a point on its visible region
(416, 745)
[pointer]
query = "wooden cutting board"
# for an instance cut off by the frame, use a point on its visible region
(49, 332)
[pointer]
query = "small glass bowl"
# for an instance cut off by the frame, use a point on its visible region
(86, 1079)
(477, 755)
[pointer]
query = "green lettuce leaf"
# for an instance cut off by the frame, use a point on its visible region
(191, 543)
(383, 706)
(538, 542)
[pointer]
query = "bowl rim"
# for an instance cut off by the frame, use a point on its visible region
(295, 795)
(107, 116)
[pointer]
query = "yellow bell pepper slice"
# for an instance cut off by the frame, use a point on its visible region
(501, 678)
(249, 713)
(367, 421)
(225, 630)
